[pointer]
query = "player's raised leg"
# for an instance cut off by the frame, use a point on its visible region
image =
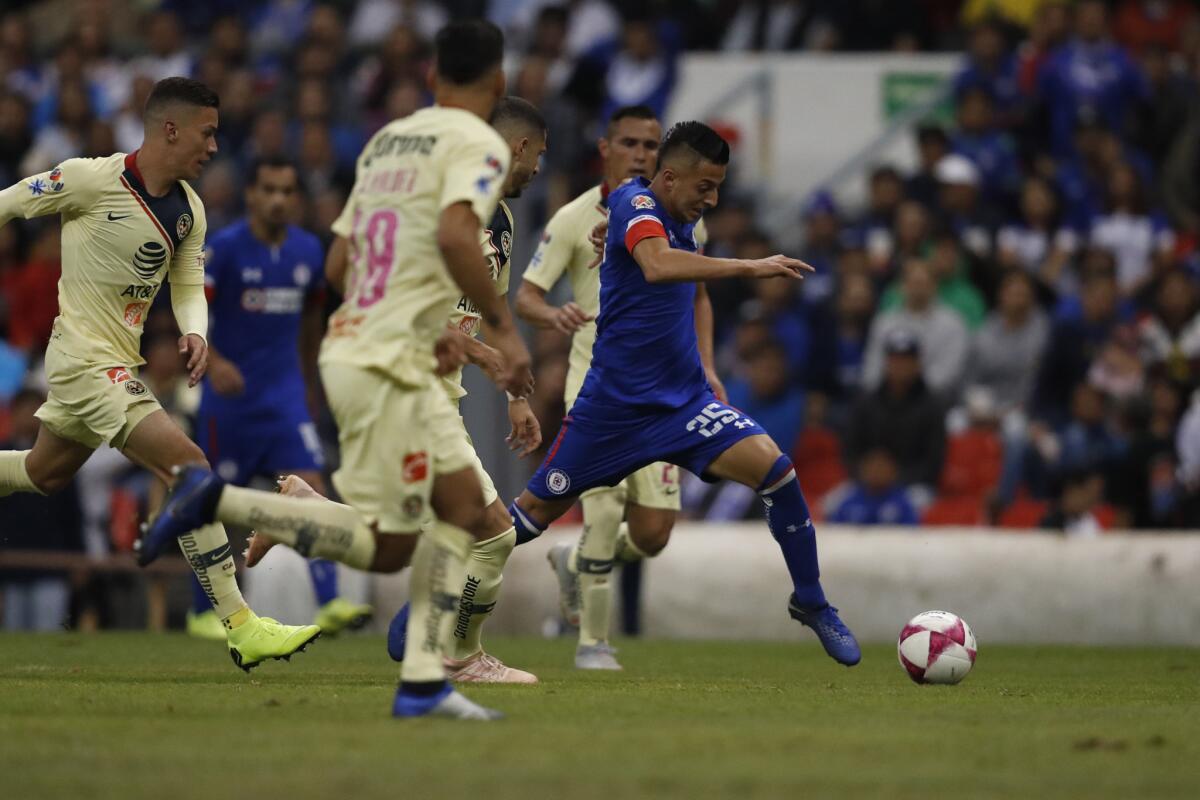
(757, 462)
(157, 444)
(46, 468)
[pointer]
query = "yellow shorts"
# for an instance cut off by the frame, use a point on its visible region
(652, 486)
(490, 495)
(92, 404)
(394, 440)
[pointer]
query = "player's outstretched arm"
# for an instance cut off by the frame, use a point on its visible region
(458, 241)
(661, 263)
(64, 188)
(533, 308)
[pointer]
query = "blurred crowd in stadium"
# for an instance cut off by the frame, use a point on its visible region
(1008, 334)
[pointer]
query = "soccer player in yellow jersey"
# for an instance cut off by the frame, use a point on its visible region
(648, 499)
(424, 187)
(128, 223)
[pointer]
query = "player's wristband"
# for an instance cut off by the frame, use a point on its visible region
(512, 397)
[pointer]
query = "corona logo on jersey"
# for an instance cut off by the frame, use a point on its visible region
(415, 467)
(642, 202)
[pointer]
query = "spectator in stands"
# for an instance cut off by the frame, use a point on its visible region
(639, 67)
(1144, 484)
(1090, 72)
(168, 53)
(15, 138)
(66, 137)
(373, 19)
(1038, 243)
(36, 599)
(855, 306)
(901, 416)
(876, 498)
(1144, 24)
(26, 75)
(773, 25)
(765, 389)
(1172, 97)
(777, 304)
(30, 291)
(990, 149)
(960, 206)
(1072, 345)
(1169, 333)
(954, 290)
(1142, 242)
(822, 246)
(933, 144)
(1005, 351)
(990, 67)
(1080, 493)
(1050, 28)
(1181, 177)
(873, 230)
(942, 336)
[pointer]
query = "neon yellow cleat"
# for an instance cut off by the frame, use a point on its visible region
(338, 615)
(260, 638)
(205, 625)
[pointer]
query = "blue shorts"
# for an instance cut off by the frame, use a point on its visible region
(602, 445)
(242, 447)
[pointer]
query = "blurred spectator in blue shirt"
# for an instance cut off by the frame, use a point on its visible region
(992, 67)
(1038, 243)
(1141, 242)
(765, 390)
(640, 66)
(989, 148)
(873, 230)
(876, 498)
(822, 246)
(1089, 72)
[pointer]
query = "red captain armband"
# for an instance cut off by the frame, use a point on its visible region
(644, 226)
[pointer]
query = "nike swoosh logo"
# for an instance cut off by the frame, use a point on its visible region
(111, 218)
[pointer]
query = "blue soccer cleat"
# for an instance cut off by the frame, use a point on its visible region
(447, 704)
(191, 504)
(835, 637)
(398, 634)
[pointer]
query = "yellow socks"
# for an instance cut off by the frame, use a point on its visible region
(593, 561)
(439, 567)
(313, 527)
(210, 557)
(485, 567)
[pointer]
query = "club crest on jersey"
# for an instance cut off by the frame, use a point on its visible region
(302, 274)
(183, 225)
(56, 181)
(642, 202)
(413, 505)
(558, 481)
(135, 388)
(506, 244)
(415, 467)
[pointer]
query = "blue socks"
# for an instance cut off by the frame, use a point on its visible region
(527, 528)
(324, 580)
(792, 527)
(200, 601)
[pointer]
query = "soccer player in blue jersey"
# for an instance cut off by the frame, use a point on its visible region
(646, 399)
(266, 296)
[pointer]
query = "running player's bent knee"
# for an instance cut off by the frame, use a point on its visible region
(393, 552)
(780, 471)
(651, 539)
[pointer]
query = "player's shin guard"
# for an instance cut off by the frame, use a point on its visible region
(13, 475)
(594, 556)
(527, 527)
(485, 567)
(314, 528)
(208, 553)
(439, 566)
(792, 526)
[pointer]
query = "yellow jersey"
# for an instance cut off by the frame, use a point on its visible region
(398, 289)
(118, 245)
(497, 242)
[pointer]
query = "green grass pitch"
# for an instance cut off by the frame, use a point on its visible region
(140, 716)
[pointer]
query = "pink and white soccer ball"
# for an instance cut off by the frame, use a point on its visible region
(937, 647)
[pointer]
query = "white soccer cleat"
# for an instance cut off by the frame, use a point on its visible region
(596, 656)
(483, 668)
(569, 599)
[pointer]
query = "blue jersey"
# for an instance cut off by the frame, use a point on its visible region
(645, 353)
(257, 295)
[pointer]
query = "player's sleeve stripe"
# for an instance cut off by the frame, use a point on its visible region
(646, 227)
(643, 218)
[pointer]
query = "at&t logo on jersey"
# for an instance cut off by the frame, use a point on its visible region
(558, 481)
(642, 202)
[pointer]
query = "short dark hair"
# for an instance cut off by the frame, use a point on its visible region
(270, 162)
(696, 138)
(169, 91)
(466, 50)
(631, 112)
(512, 110)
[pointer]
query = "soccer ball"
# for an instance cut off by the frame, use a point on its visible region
(937, 647)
